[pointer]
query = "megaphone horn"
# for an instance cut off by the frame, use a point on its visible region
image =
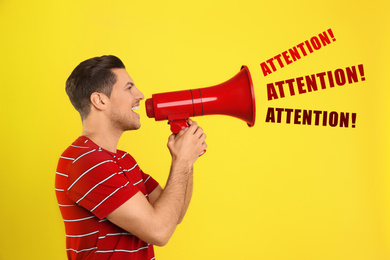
(234, 97)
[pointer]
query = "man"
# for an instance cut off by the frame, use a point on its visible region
(111, 208)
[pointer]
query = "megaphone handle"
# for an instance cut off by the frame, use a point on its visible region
(178, 125)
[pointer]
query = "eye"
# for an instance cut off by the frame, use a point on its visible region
(130, 85)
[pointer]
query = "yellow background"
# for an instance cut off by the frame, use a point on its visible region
(273, 192)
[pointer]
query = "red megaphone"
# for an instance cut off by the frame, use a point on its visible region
(234, 97)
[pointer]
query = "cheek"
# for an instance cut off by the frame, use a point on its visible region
(124, 100)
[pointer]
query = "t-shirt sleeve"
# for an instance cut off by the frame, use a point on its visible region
(150, 183)
(100, 186)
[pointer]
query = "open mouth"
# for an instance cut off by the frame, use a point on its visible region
(135, 108)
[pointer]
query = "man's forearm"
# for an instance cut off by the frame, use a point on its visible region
(188, 195)
(172, 202)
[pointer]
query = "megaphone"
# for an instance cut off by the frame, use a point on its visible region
(234, 97)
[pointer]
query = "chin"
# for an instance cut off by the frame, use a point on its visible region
(133, 127)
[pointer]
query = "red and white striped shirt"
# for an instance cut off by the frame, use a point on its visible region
(90, 183)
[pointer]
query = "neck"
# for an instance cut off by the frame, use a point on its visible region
(102, 134)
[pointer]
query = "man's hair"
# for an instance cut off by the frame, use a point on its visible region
(92, 75)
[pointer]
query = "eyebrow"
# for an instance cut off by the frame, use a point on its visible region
(129, 83)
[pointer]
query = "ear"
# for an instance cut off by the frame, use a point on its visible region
(99, 100)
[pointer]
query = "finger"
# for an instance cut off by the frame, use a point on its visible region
(192, 128)
(203, 137)
(199, 132)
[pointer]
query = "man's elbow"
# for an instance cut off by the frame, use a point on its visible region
(161, 233)
(161, 238)
(161, 243)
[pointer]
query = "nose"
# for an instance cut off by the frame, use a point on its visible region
(139, 95)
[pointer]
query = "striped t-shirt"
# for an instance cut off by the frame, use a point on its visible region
(91, 182)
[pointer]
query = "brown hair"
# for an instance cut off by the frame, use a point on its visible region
(92, 75)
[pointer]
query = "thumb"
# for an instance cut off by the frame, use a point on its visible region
(171, 138)
(182, 132)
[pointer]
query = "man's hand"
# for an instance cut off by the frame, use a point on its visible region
(186, 146)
